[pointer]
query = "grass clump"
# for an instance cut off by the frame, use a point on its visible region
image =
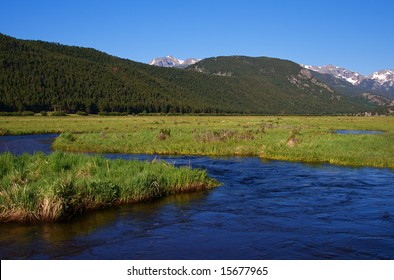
(56, 187)
(4, 131)
(67, 137)
(164, 134)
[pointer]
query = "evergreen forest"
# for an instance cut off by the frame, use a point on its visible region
(41, 76)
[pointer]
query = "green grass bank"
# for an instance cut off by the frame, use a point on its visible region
(293, 138)
(56, 187)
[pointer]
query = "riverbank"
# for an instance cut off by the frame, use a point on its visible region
(292, 138)
(56, 187)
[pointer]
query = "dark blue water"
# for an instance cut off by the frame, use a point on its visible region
(360, 132)
(27, 143)
(263, 210)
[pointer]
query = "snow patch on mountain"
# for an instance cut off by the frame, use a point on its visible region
(170, 61)
(383, 77)
(352, 77)
(381, 82)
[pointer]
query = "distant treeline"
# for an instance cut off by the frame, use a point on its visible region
(40, 76)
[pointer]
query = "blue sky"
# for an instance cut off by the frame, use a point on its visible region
(358, 35)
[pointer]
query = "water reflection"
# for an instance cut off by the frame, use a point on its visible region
(27, 143)
(361, 132)
(68, 238)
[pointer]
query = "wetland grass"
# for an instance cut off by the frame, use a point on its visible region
(293, 138)
(56, 187)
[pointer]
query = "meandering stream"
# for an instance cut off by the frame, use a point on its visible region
(263, 210)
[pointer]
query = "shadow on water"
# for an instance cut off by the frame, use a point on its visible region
(263, 210)
(79, 234)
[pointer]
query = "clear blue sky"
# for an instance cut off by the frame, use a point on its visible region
(358, 35)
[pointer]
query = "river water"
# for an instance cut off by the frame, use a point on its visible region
(263, 210)
(358, 132)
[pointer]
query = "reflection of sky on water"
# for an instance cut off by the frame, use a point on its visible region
(27, 143)
(361, 132)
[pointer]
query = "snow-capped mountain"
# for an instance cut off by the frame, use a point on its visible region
(383, 78)
(377, 82)
(170, 61)
(352, 77)
(190, 61)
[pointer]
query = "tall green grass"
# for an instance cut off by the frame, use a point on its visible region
(284, 138)
(56, 187)
(312, 138)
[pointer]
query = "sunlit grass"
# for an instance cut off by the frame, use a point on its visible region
(56, 187)
(264, 136)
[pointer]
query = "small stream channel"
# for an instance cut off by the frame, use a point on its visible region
(263, 210)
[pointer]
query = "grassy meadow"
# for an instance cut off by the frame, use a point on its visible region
(294, 138)
(55, 187)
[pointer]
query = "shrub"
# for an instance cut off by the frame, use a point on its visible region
(82, 113)
(24, 113)
(164, 134)
(59, 114)
(214, 135)
(27, 113)
(118, 114)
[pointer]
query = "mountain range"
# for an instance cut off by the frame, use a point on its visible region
(381, 82)
(377, 87)
(170, 61)
(378, 82)
(37, 75)
(381, 79)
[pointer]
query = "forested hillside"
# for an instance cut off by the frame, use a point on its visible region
(45, 76)
(37, 76)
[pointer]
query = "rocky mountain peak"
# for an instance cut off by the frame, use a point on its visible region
(171, 61)
(383, 77)
(380, 82)
(350, 76)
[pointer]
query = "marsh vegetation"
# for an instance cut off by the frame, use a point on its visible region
(56, 187)
(305, 139)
